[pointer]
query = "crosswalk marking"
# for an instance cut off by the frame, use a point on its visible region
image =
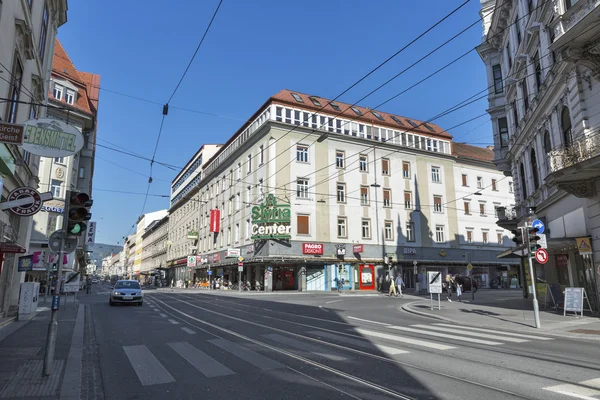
(359, 342)
(416, 342)
(303, 346)
(163, 315)
(248, 355)
(147, 367)
(583, 390)
(467, 333)
(188, 330)
(443, 335)
(207, 365)
(521, 335)
(173, 322)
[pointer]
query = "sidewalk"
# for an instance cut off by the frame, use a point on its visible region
(22, 345)
(506, 309)
(359, 293)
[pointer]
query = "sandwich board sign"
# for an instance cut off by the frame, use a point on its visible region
(434, 280)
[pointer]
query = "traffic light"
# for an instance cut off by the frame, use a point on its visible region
(518, 238)
(532, 238)
(78, 213)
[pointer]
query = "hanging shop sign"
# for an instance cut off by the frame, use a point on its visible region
(25, 263)
(313, 248)
(193, 235)
(10, 133)
(191, 261)
(14, 248)
(215, 220)
(340, 249)
(25, 201)
(358, 248)
(232, 253)
(271, 220)
(47, 137)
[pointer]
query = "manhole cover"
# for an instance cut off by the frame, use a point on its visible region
(586, 331)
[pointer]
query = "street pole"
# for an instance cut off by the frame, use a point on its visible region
(536, 307)
(53, 326)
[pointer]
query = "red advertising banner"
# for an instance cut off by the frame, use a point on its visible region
(215, 220)
(358, 248)
(313, 248)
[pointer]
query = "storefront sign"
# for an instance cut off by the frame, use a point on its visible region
(203, 260)
(11, 248)
(340, 249)
(193, 235)
(47, 137)
(313, 248)
(10, 133)
(55, 209)
(215, 220)
(358, 248)
(215, 257)
(232, 253)
(31, 198)
(250, 249)
(271, 220)
(191, 261)
(410, 250)
(90, 235)
(25, 263)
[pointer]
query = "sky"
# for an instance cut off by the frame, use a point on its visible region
(254, 49)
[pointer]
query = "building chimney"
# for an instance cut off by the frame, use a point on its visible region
(490, 148)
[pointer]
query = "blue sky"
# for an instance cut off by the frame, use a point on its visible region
(253, 50)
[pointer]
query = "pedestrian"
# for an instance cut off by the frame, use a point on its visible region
(88, 284)
(449, 287)
(392, 289)
(399, 284)
(381, 283)
(341, 286)
(458, 288)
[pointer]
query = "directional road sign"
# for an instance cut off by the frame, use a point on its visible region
(541, 256)
(539, 225)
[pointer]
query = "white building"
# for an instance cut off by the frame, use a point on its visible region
(154, 252)
(543, 69)
(143, 223)
(26, 47)
(309, 191)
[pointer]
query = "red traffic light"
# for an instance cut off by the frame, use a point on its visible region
(79, 199)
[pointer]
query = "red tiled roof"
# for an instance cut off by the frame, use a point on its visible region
(477, 153)
(63, 67)
(285, 97)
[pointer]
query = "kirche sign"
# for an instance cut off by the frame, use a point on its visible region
(313, 248)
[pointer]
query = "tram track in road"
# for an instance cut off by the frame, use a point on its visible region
(530, 355)
(338, 347)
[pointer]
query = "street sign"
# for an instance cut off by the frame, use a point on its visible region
(240, 264)
(543, 241)
(240, 258)
(539, 225)
(541, 256)
(25, 201)
(191, 261)
(469, 267)
(10, 133)
(13, 248)
(54, 242)
(240, 269)
(435, 281)
(209, 272)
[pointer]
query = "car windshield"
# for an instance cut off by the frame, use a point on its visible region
(127, 285)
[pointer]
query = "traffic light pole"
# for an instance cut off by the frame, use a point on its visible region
(53, 326)
(536, 307)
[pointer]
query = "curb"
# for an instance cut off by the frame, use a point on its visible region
(8, 321)
(407, 308)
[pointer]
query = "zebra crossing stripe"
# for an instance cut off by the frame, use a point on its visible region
(146, 366)
(207, 365)
(467, 333)
(583, 390)
(416, 342)
(309, 348)
(521, 335)
(359, 343)
(446, 336)
(248, 355)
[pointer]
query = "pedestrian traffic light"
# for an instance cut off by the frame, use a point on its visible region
(518, 238)
(532, 238)
(78, 213)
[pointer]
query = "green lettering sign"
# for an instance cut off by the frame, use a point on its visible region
(271, 220)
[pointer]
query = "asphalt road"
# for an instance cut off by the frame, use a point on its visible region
(189, 345)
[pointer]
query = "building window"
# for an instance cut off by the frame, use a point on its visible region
(534, 170)
(387, 197)
(364, 195)
(302, 225)
(389, 230)
(566, 127)
(229, 207)
(499, 237)
(69, 96)
(525, 94)
(464, 180)
(341, 227)
(44, 33)
(406, 170)
(503, 132)
(435, 175)
(439, 234)
(518, 29)
(56, 189)
(239, 171)
(221, 239)
(249, 163)
(408, 200)
(469, 236)
(494, 187)
(341, 192)
(59, 160)
(437, 203)
(467, 206)
(302, 188)
(497, 72)
(302, 154)
(238, 202)
(52, 224)
(410, 232)
(515, 113)
(58, 91)
(366, 229)
(81, 172)
(484, 236)
(248, 195)
(261, 152)
(12, 106)
(510, 187)
(340, 158)
(362, 163)
(538, 71)
(385, 166)
(496, 210)
(248, 226)
(482, 209)
(570, 3)
(228, 236)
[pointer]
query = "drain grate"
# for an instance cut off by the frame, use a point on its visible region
(586, 331)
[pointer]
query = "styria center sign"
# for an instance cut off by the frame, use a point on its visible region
(47, 137)
(271, 220)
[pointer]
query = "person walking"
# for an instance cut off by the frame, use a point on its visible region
(399, 284)
(341, 285)
(392, 289)
(449, 283)
(458, 288)
(88, 284)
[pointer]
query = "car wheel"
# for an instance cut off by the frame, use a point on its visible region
(111, 303)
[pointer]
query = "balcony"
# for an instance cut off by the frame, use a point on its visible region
(507, 217)
(576, 167)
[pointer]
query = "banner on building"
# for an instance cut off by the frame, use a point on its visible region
(215, 220)
(90, 235)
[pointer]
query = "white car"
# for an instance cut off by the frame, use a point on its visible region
(126, 291)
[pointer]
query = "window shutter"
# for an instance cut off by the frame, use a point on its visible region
(302, 224)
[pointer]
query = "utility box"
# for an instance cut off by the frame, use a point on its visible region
(28, 300)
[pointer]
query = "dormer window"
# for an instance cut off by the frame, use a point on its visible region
(58, 91)
(297, 98)
(70, 96)
(315, 101)
(356, 110)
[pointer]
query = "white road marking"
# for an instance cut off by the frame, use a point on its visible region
(147, 367)
(207, 365)
(188, 330)
(467, 333)
(303, 346)
(443, 335)
(173, 322)
(333, 301)
(321, 307)
(521, 335)
(583, 390)
(371, 322)
(254, 358)
(416, 342)
(163, 315)
(359, 342)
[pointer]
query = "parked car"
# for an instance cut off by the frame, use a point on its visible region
(465, 281)
(126, 291)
